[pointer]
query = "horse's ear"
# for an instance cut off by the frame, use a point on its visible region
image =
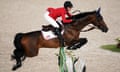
(98, 11)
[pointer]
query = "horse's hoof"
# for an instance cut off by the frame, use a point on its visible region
(16, 67)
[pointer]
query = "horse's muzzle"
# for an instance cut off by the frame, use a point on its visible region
(105, 29)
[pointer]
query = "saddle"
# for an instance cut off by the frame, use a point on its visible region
(50, 32)
(50, 27)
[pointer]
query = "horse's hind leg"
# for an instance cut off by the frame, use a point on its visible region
(18, 54)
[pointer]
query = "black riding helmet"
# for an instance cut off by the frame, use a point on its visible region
(68, 4)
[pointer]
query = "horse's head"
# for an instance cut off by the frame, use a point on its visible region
(99, 22)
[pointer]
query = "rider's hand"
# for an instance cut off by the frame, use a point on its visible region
(73, 20)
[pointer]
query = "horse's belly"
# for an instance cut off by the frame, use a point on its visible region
(30, 53)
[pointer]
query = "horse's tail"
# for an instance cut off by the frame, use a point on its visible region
(19, 51)
(17, 41)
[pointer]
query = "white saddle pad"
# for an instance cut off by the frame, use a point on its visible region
(49, 35)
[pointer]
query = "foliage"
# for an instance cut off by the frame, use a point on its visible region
(111, 47)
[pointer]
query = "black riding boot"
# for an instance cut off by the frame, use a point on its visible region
(57, 32)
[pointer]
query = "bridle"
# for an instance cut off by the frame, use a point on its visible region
(89, 29)
(91, 26)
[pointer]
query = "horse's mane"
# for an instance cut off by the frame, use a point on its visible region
(82, 15)
(79, 16)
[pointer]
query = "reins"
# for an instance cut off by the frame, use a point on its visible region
(89, 29)
(76, 11)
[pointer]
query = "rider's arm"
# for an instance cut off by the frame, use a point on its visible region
(65, 20)
(69, 14)
(50, 9)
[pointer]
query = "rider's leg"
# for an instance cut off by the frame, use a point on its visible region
(56, 26)
(51, 20)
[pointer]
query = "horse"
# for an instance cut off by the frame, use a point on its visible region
(28, 44)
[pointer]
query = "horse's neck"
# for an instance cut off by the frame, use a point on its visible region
(83, 19)
(72, 31)
(81, 23)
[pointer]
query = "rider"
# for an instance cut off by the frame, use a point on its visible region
(53, 13)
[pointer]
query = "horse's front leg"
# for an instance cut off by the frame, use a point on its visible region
(77, 43)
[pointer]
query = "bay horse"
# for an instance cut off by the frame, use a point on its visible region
(28, 44)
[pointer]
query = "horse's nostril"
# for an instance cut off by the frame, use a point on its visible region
(105, 29)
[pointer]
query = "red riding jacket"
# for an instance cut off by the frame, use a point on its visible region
(55, 13)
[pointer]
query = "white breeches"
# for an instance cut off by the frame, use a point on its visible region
(51, 20)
